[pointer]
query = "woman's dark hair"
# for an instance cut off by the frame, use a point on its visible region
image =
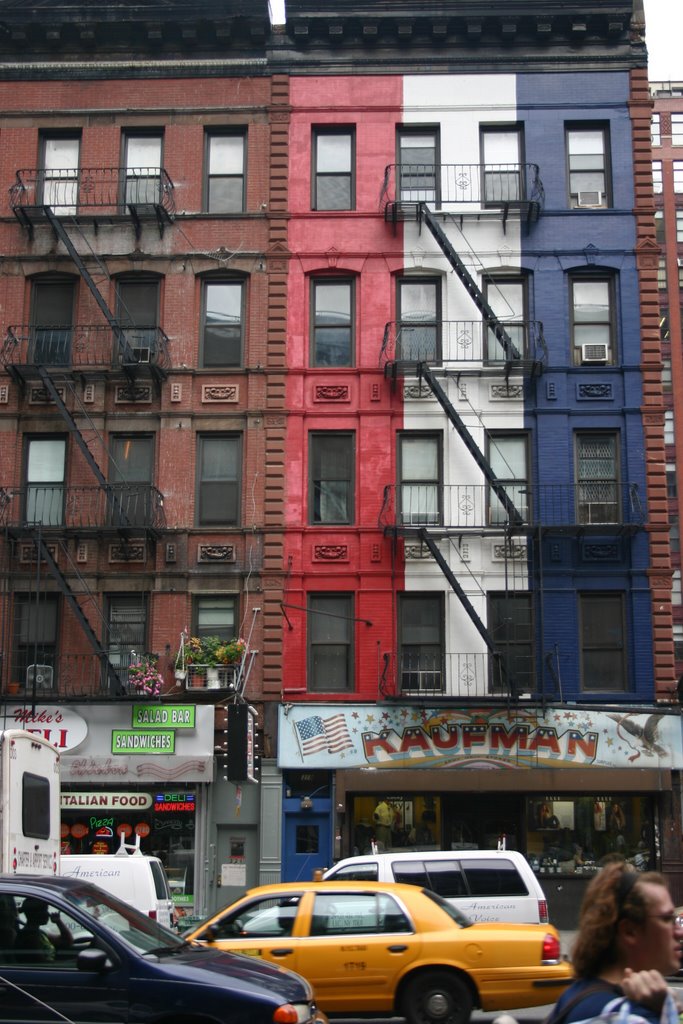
(614, 894)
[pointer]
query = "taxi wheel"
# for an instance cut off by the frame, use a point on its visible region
(437, 997)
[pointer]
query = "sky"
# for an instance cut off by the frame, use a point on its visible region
(664, 36)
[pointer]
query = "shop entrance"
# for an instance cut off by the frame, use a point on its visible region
(237, 859)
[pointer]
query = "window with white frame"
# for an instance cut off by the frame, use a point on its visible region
(60, 155)
(507, 297)
(667, 385)
(669, 435)
(418, 160)
(419, 479)
(661, 273)
(508, 458)
(678, 176)
(679, 225)
(676, 596)
(588, 165)
(678, 641)
(142, 155)
(657, 179)
(656, 130)
(225, 157)
(418, 306)
(44, 476)
(501, 150)
(677, 129)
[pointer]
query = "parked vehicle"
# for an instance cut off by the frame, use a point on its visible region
(486, 885)
(135, 878)
(111, 964)
(392, 950)
(29, 804)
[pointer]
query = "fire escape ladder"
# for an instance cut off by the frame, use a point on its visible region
(426, 374)
(471, 287)
(114, 504)
(46, 555)
(125, 352)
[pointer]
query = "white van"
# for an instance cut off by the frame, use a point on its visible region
(487, 885)
(136, 879)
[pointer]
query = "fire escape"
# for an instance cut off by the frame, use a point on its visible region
(515, 352)
(58, 364)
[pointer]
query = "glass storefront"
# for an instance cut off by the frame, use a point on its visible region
(163, 821)
(559, 834)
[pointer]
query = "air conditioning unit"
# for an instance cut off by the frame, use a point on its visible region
(141, 354)
(590, 200)
(595, 352)
(41, 674)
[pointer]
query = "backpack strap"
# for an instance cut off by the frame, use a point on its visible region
(555, 1017)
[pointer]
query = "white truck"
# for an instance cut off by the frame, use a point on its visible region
(29, 804)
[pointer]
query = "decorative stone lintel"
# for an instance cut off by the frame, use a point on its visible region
(330, 553)
(133, 551)
(27, 552)
(39, 395)
(132, 394)
(220, 393)
(331, 393)
(506, 392)
(216, 553)
(594, 392)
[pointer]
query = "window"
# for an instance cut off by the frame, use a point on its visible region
(661, 273)
(656, 130)
(218, 479)
(333, 169)
(419, 319)
(143, 161)
(678, 642)
(676, 591)
(332, 323)
(421, 646)
(507, 297)
(441, 876)
(357, 914)
(222, 323)
(127, 622)
(671, 482)
(592, 303)
(657, 180)
(330, 643)
(511, 626)
(216, 616)
(602, 642)
(501, 156)
(660, 232)
(678, 176)
(495, 877)
(588, 171)
(137, 305)
(52, 307)
(597, 478)
(35, 642)
(674, 535)
(60, 156)
(679, 225)
(418, 161)
(131, 472)
(45, 466)
(669, 436)
(508, 458)
(270, 917)
(420, 485)
(667, 383)
(331, 478)
(677, 129)
(225, 172)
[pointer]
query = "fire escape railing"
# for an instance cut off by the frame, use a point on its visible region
(107, 190)
(58, 508)
(83, 347)
(503, 187)
(464, 344)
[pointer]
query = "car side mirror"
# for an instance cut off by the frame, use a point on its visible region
(93, 960)
(209, 934)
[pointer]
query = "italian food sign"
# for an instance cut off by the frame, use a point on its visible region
(410, 737)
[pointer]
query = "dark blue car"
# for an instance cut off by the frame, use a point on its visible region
(71, 952)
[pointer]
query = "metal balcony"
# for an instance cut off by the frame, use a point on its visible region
(44, 675)
(83, 348)
(143, 193)
(461, 188)
(464, 346)
(598, 506)
(134, 508)
(476, 676)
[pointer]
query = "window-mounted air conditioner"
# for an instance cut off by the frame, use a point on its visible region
(590, 200)
(595, 352)
(41, 674)
(137, 355)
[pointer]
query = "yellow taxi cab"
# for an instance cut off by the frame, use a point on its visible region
(392, 949)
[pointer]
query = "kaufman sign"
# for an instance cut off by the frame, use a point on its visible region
(357, 736)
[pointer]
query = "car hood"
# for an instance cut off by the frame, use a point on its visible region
(204, 964)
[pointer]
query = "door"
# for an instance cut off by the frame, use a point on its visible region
(130, 473)
(307, 845)
(236, 864)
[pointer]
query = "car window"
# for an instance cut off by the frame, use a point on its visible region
(35, 932)
(357, 873)
(450, 909)
(357, 914)
(412, 872)
(494, 878)
(271, 917)
(133, 927)
(446, 878)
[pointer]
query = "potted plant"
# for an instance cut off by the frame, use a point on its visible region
(194, 661)
(144, 677)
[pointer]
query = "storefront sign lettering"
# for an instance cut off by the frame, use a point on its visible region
(58, 725)
(170, 716)
(151, 741)
(108, 801)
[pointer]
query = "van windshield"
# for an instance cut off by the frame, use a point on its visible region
(448, 908)
(132, 927)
